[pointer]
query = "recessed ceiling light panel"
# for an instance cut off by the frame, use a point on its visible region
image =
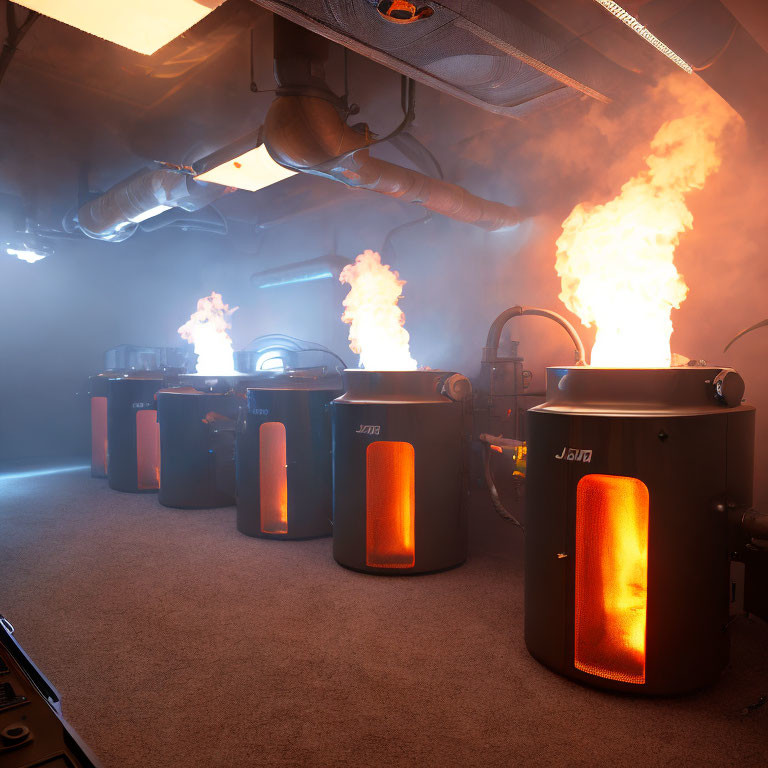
(252, 170)
(144, 26)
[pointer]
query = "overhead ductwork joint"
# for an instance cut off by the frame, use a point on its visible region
(304, 131)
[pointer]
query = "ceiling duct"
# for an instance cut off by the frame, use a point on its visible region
(304, 131)
(504, 56)
(115, 215)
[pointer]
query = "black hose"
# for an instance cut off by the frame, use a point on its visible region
(399, 228)
(417, 152)
(751, 328)
(495, 498)
(327, 351)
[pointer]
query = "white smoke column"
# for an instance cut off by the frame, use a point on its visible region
(616, 260)
(207, 330)
(376, 331)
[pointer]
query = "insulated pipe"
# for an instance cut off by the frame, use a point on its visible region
(491, 350)
(491, 355)
(304, 131)
(115, 215)
(439, 196)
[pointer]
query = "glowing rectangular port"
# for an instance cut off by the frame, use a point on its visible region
(147, 450)
(390, 501)
(99, 435)
(273, 478)
(611, 577)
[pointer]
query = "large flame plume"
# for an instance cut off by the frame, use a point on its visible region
(616, 260)
(376, 331)
(207, 330)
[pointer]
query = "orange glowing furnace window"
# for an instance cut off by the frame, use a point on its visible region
(147, 450)
(99, 434)
(390, 501)
(273, 477)
(611, 577)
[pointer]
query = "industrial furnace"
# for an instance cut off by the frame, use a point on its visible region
(631, 474)
(400, 471)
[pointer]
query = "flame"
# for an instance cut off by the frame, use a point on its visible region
(625, 573)
(376, 331)
(207, 330)
(616, 260)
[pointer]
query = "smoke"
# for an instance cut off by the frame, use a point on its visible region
(376, 331)
(616, 260)
(459, 277)
(207, 330)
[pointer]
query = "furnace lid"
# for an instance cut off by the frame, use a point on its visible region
(681, 390)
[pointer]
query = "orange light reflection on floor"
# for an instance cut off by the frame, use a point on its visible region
(390, 505)
(147, 450)
(611, 577)
(273, 478)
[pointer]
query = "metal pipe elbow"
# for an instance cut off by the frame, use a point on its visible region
(304, 132)
(491, 349)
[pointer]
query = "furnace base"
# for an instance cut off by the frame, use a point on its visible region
(399, 571)
(630, 474)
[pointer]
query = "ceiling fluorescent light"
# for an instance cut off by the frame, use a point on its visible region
(246, 164)
(155, 211)
(144, 26)
(644, 32)
(300, 279)
(322, 268)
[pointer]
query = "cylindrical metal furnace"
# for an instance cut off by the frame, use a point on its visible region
(133, 463)
(125, 359)
(197, 440)
(399, 469)
(630, 473)
(284, 458)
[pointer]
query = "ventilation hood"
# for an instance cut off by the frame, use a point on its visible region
(513, 56)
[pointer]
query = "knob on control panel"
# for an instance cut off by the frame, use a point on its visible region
(457, 387)
(14, 734)
(729, 387)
